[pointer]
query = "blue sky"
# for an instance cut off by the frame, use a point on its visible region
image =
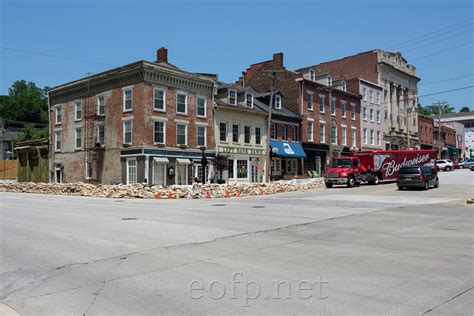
(225, 37)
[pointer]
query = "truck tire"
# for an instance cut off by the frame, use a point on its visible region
(350, 182)
(375, 179)
(328, 185)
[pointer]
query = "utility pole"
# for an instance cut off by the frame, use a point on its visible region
(269, 128)
(440, 110)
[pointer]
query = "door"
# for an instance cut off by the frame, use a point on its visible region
(255, 169)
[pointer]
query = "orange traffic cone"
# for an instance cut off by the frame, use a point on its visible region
(226, 194)
(170, 195)
(238, 193)
(208, 194)
(158, 195)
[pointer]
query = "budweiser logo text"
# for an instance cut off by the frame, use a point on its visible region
(390, 167)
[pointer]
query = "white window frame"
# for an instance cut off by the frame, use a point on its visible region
(364, 113)
(131, 131)
(56, 112)
(125, 99)
(165, 168)
(364, 136)
(377, 97)
(322, 139)
(343, 109)
(284, 128)
(229, 97)
(77, 104)
(364, 93)
(372, 137)
(333, 100)
(164, 132)
(128, 170)
(371, 96)
(185, 134)
(164, 99)
(200, 97)
(98, 105)
(343, 135)
(371, 115)
(75, 137)
(98, 134)
(329, 81)
(378, 116)
(379, 141)
(260, 134)
(185, 103)
(247, 100)
(89, 163)
(354, 136)
(277, 102)
(331, 140)
(321, 96)
(238, 133)
(308, 104)
(226, 131)
(308, 130)
(312, 75)
(353, 111)
(197, 135)
(58, 135)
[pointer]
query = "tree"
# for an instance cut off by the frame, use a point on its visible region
(25, 102)
(465, 109)
(30, 132)
(220, 163)
(434, 108)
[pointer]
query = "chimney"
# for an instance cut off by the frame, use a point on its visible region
(162, 55)
(278, 59)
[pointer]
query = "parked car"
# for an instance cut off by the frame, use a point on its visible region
(471, 167)
(467, 163)
(417, 177)
(455, 165)
(445, 164)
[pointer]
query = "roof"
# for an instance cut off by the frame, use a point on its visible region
(239, 106)
(458, 115)
(263, 101)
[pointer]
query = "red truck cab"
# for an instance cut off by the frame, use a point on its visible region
(373, 166)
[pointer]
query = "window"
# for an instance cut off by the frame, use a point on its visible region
(377, 97)
(322, 132)
(159, 173)
(329, 81)
(201, 106)
(371, 96)
(353, 111)
(100, 134)
(309, 101)
(159, 132)
(273, 129)
(344, 85)
(333, 134)
(372, 141)
(57, 141)
(223, 132)
(354, 136)
(312, 75)
(378, 116)
(310, 131)
(343, 108)
(101, 105)
(249, 100)
(89, 169)
(235, 133)
(321, 103)
(232, 97)
(127, 100)
(127, 132)
(77, 110)
(247, 134)
(201, 136)
(364, 113)
(344, 135)
(333, 106)
(78, 133)
(364, 94)
(131, 170)
(378, 138)
(181, 134)
(365, 136)
(258, 136)
(294, 133)
(59, 116)
(242, 167)
(277, 102)
(284, 132)
(159, 99)
(371, 115)
(181, 100)
(230, 168)
(181, 173)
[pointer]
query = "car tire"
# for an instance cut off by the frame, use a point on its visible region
(447, 168)
(436, 183)
(328, 185)
(350, 182)
(400, 188)
(426, 186)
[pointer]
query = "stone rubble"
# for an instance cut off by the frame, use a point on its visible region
(159, 192)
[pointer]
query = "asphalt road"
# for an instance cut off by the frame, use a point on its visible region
(365, 250)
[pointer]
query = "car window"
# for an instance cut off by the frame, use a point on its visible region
(409, 170)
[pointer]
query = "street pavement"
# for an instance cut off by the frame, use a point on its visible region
(364, 250)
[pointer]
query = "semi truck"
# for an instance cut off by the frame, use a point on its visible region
(373, 166)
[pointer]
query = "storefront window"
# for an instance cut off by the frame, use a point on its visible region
(230, 164)
(242, 166)
(131, 170)
(159, 172)
(181, 173)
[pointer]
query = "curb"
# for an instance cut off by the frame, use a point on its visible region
(5, 310)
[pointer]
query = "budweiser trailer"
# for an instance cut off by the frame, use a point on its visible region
(373, 166)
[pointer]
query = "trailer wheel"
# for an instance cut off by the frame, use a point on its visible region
(328, 185)
(375, 179)
(350, 182)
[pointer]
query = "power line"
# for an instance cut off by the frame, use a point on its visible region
(55, 56)
(446, 80)
(446, 91)
(23, 122)
(442, 51)
(439, 41)
(430, 33)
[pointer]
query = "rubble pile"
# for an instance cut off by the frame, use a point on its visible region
(160, 192)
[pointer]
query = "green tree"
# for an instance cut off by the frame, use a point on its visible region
(25, 102)
(465, 109)
(434, 108)
(30, 132)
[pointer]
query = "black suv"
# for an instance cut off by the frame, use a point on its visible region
(417, 177)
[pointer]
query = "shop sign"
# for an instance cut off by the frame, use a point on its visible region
(240, 150)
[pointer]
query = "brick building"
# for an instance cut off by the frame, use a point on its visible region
(144, 122)
(466, 137)
(425, 131)
(445, 143)
(400, 88)
(330, 116)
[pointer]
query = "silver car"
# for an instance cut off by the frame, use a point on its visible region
(466, 164)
